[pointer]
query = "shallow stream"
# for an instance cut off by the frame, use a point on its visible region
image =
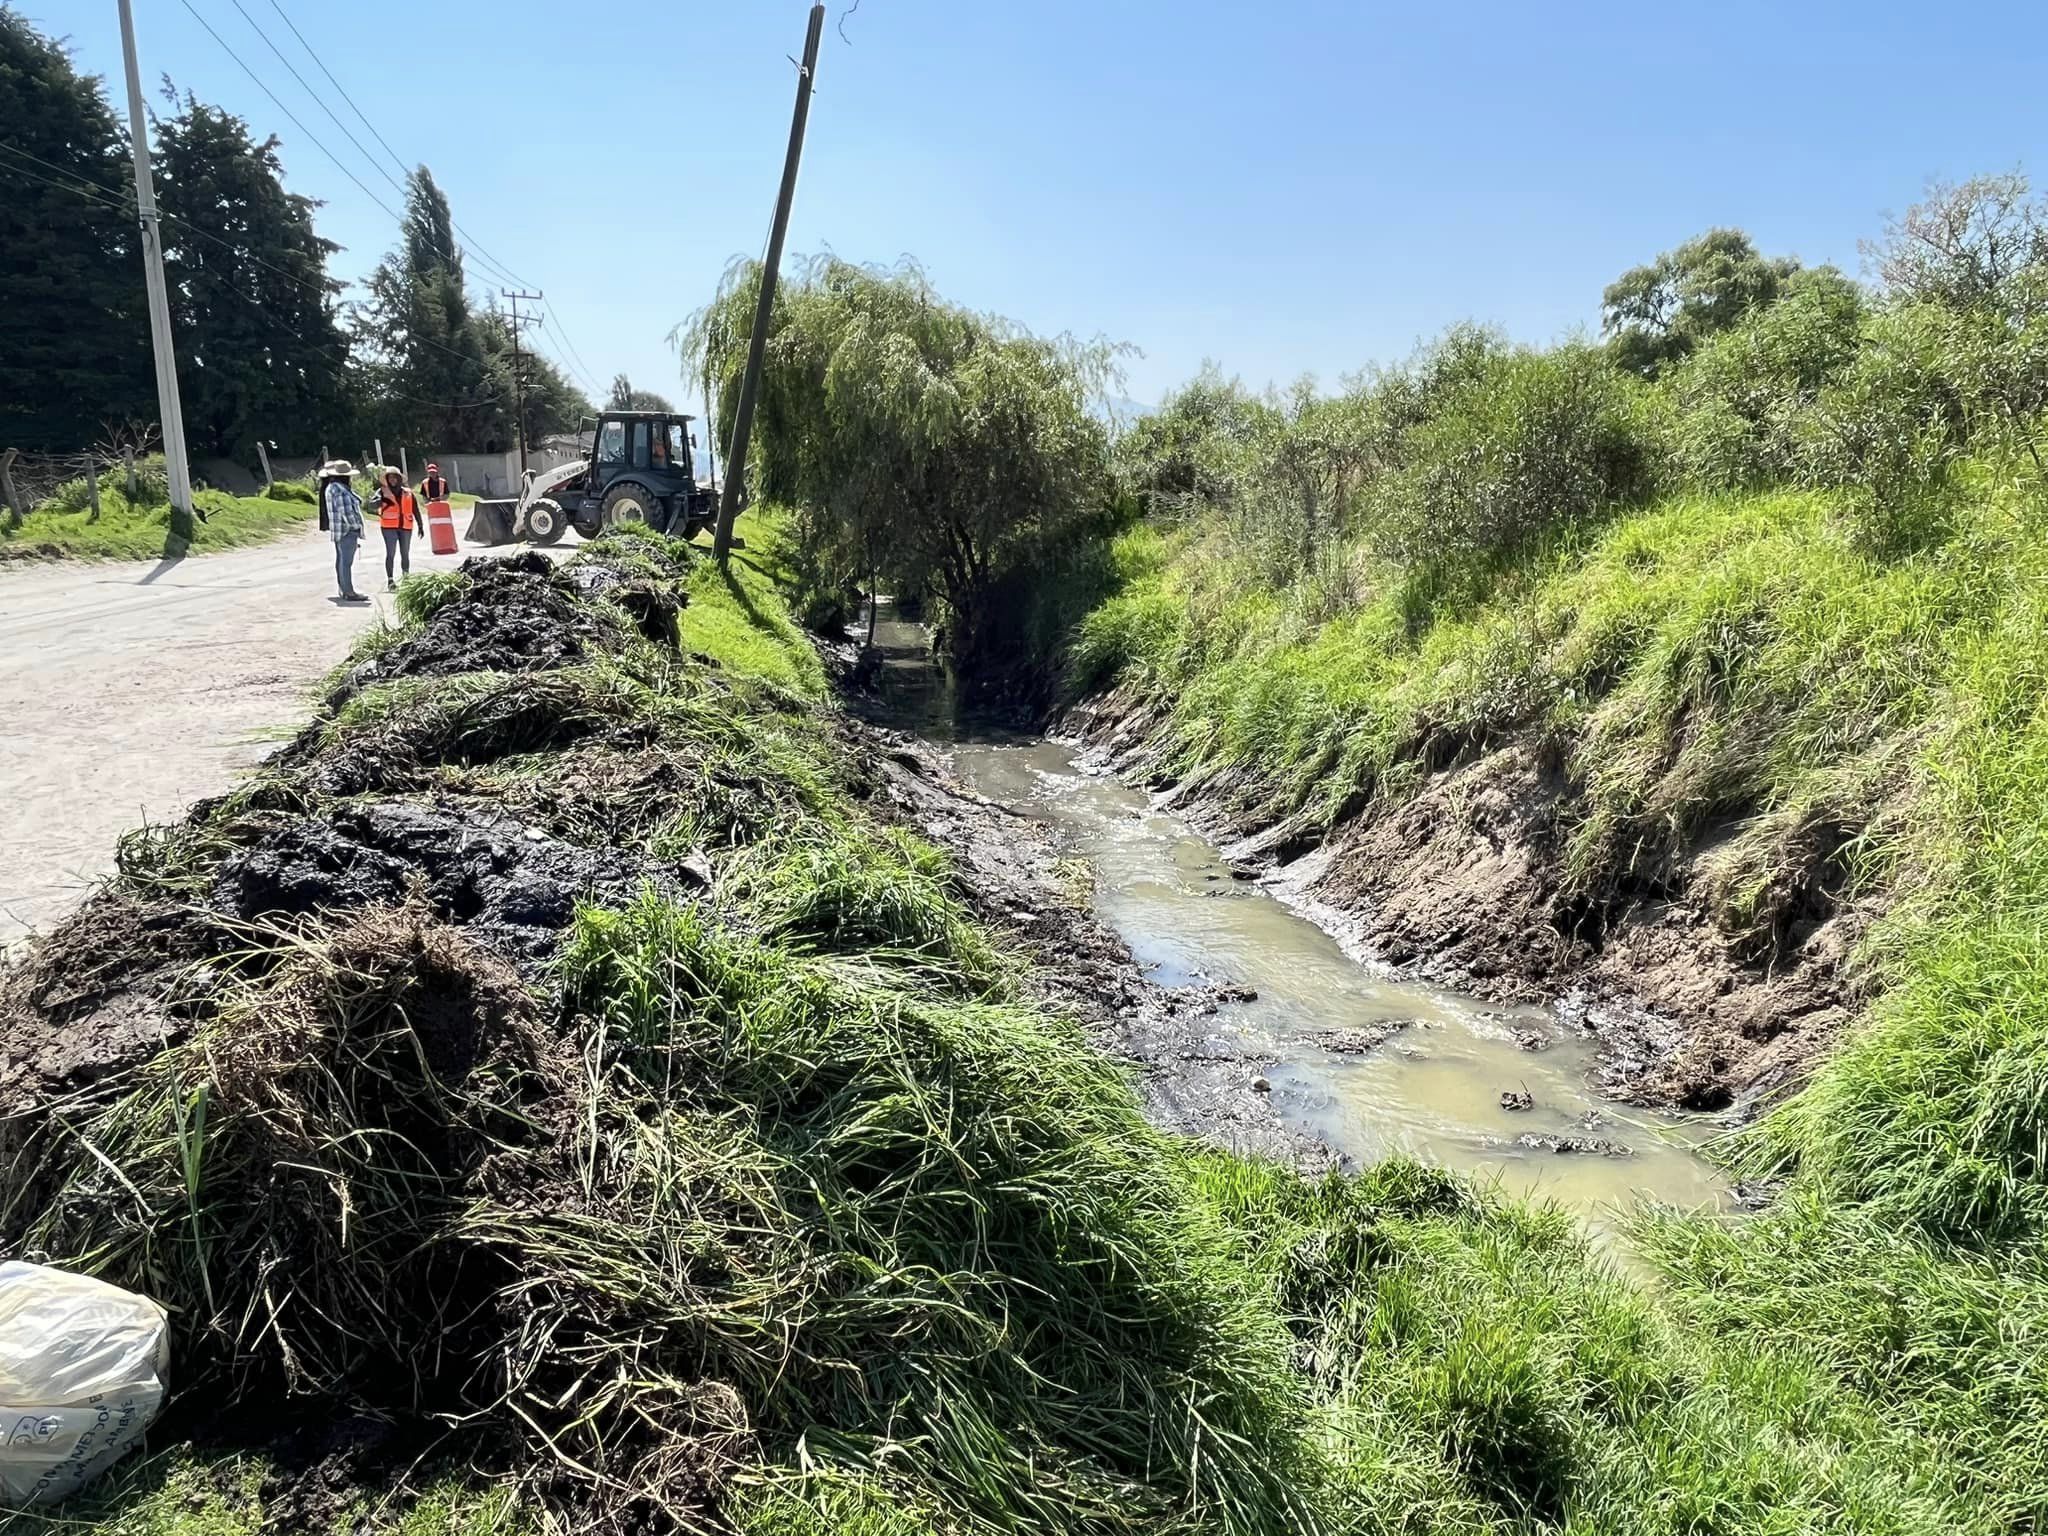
(1432, 1088)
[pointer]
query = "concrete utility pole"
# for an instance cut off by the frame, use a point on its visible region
(159, 295)
(750, 382)
(519, 373)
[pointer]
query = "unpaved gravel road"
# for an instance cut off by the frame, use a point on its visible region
(127, 691)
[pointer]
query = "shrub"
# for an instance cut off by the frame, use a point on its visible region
(1889, 430)
(1736, 403)
(291, 490)
(1528, 444)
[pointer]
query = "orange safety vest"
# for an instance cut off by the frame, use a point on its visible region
(399, 515)
(434, 488)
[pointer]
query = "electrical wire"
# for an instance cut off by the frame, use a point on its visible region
(318, 100)
(569, 351)
(340, 89)
(289, 114)
(484, 258)
(492, 266)
(121, 204)
(341, 353)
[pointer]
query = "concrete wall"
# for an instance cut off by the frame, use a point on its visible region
(479, 474)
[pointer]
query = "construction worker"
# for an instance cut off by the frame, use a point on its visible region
(397, 514)
(341, 514)
(435, 486)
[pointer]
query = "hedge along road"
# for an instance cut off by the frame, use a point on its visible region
(129, 690)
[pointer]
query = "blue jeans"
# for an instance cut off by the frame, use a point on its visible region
(345, 562)
(397, 541)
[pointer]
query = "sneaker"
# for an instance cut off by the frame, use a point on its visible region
(390, 586)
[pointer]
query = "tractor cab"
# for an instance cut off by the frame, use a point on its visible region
(641, 468)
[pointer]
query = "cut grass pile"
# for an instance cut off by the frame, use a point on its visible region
(760, 1200)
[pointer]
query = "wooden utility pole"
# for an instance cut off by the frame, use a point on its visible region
(710, 438)
(757, 344)
(159, 294)
(519, 374)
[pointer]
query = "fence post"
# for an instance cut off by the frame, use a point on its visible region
(380, 456)
(128, 459)
(92, 485)
(263, 453)
(404, 466)
(7, 485)
(455, 469)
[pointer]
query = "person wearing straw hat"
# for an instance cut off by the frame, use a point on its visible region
(341, 514)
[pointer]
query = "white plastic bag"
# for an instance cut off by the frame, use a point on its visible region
(81, 1377)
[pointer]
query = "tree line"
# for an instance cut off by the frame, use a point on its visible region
(1718, 368)
(268, 348)
(932, 451)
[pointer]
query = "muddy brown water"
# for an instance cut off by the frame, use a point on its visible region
(1373, 1063)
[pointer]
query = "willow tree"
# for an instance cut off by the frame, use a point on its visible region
(922, 445)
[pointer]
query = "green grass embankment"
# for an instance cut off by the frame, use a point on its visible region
(1875, 721)
(892, 1252)
(143, 531)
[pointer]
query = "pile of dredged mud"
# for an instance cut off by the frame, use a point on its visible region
(435, 1084)
(266, 1072)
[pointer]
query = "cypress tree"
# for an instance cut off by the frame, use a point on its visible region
(260, 353)
(74, 334)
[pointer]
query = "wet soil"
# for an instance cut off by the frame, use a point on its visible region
(1463, 884)
(1194, 1072)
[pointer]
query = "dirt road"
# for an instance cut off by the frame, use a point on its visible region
(128, 691)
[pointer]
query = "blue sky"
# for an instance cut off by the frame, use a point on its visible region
(1303, 186)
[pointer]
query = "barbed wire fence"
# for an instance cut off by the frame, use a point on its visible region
(79, 482)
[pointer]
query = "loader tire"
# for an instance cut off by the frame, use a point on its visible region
(545, 522)
(630, 503)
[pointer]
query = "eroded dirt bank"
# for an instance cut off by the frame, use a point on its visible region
(1464, 884)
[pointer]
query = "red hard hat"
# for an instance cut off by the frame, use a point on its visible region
(433, 469)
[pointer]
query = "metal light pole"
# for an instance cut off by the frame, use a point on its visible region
(159, 294)
(750, 383)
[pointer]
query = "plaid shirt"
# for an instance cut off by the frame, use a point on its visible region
(344, 511)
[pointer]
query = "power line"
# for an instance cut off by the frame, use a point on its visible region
(342, 90)
(295, 121)
(492, 266)
(475, 247)
(291, 115)
(319, 100)
(122, 206)
(575, 363)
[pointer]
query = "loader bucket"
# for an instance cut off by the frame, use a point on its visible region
(493, 522)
